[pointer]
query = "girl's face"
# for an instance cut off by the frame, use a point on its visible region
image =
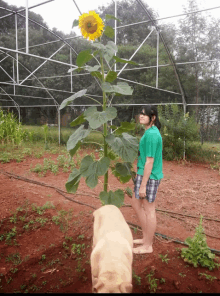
(144, 119)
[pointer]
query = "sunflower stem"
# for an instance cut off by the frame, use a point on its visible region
(104, 126)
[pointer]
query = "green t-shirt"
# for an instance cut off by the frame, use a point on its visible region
(151, 145)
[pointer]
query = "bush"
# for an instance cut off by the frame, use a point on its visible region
(175, 129)
(10, 129)
(198, 252)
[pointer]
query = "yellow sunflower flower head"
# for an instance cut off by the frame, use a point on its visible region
(91, 25)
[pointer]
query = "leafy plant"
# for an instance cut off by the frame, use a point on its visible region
(164, 258)
(152, 281)
(198, 252)
(136, 278)
(208, 276)
(119, 142)
(176, 128)
(14, 258)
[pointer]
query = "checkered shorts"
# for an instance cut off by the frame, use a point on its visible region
(151, 188)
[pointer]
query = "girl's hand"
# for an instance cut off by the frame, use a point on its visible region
(142, 191)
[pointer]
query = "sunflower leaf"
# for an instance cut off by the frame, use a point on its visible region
(96, 74)
(126, 146)
(92, 69)
(110, 50)
(111, 76)
(77, 136)
(92, 169)
(83, 57)
(96, 118)
(80, 119)
(111, 17)
(109, 32)
(75, 23)
(73, 181)
(124, 61)
(67, 101)
(112, 198)
(121, 88)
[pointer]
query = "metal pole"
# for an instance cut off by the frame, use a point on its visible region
(27, 40)
(136, 50)
(71, 73)
(59, 123)
(16, 38)
(157, 59)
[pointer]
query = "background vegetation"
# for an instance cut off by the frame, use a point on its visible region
(195, 39)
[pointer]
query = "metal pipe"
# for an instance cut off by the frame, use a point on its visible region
(71, 73)
(27, 35)
(59, 123)
(16, 39)
(149, 86)
(35, 56)
(157, 60)
(42, 64)
(136, 51)
(21, 10)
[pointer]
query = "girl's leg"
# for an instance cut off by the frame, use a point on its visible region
(148, 224)
(137, 206)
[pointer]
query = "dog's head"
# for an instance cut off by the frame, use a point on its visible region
(111, 284)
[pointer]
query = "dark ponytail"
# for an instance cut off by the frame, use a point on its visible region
(151, 110)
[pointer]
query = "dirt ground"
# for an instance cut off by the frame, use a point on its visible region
(36, 243)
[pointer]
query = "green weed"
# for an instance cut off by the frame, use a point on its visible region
(198, 252)
(136, 278)
(14, 258)
(208, 276)
(164, 258)
(152, 282)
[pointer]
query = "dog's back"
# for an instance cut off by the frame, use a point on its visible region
(111, 258)
(107, 219)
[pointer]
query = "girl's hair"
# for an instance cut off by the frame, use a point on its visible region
(151, 110)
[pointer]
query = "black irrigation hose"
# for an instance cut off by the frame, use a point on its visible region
(175, 240)
(129, 223)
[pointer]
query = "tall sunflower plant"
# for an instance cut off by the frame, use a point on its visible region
(116, 140)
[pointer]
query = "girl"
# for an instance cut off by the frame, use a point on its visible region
(149, 174)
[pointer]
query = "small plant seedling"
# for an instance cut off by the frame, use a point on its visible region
(162, 281)
(182, 274)
(136, 278)
(81, 236)
(152, 282)
(164, 258)
(198, 252)
(208, 276)
(34, 275)
(43, 257)
(14, 258)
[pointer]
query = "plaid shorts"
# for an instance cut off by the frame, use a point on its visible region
(151, 188)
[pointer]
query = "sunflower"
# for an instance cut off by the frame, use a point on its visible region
(91, 25)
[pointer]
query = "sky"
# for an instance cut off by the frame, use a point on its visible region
(61, 13)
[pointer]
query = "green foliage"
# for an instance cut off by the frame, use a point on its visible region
(10, 129)
(164, 258)
(176, 128)
(136, 278)
(198, 252)
(152, 282)
(121, 143)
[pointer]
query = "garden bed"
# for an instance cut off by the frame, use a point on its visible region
(46, 238)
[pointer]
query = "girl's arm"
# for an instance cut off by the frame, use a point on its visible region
(147, 171)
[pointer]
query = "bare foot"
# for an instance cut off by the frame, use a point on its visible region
(139, 241)
(143, 250)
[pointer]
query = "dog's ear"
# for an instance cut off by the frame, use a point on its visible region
(126, 287)
(98, 284)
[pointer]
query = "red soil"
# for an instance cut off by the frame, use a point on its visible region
(192, 189)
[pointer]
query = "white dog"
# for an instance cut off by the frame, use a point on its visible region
(111, 257)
